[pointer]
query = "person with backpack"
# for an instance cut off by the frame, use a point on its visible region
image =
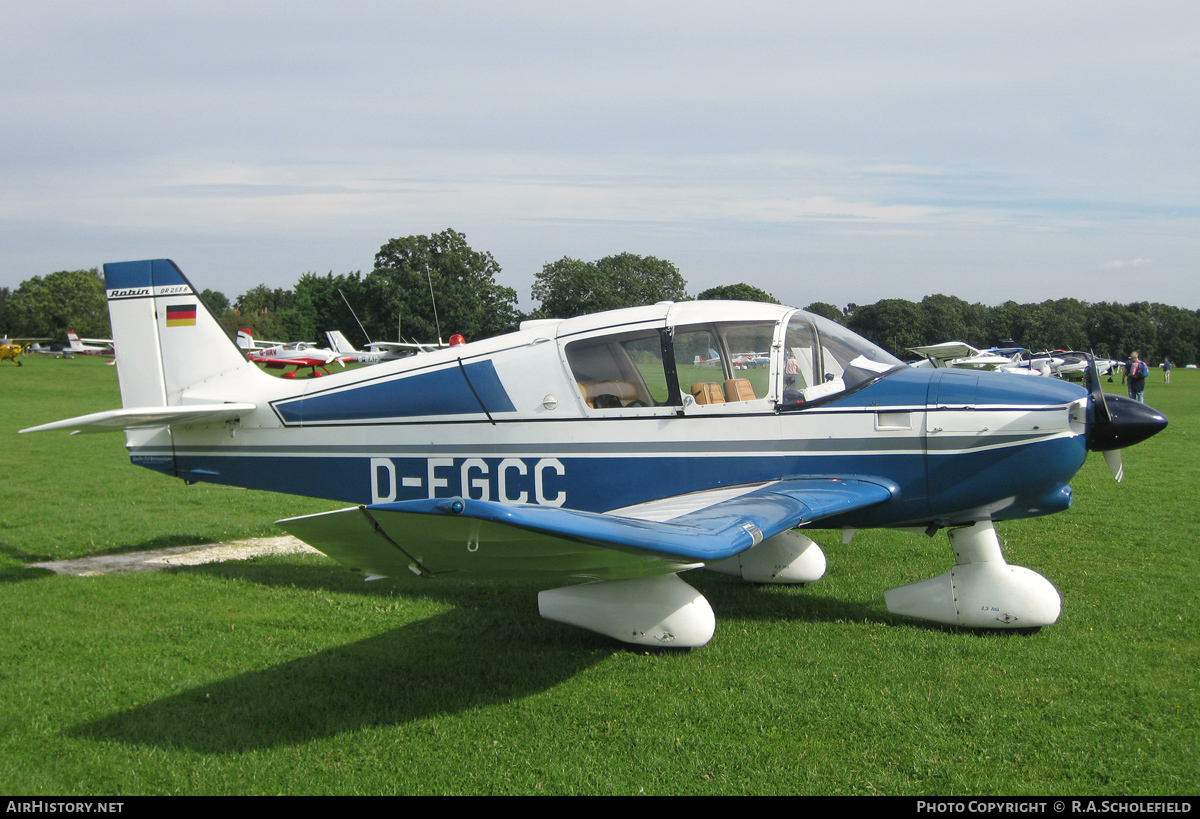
(1135, 377)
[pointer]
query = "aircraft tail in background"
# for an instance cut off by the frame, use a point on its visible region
(339, 343)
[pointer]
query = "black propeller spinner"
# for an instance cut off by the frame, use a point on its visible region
(1117, 421)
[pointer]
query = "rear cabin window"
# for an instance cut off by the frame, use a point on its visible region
(615, 372)
(718, 363)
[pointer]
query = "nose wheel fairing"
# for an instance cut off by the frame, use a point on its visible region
(982, 590)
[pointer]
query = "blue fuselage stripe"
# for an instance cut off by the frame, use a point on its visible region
(1021, 481)
(442, 392)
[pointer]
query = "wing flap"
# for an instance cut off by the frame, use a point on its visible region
(148, 417)
(395, 542)
(439, 535)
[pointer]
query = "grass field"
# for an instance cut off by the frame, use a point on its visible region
(289, 675)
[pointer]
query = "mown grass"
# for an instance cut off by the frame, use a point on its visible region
(289, 675)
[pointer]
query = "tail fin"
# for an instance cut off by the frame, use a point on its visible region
(167, 338)
(245, 340)
(339, 343)
(73, 341)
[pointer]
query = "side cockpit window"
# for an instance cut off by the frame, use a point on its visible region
(725, 362)
(823, 359)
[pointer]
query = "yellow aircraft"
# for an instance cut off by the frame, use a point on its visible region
(11, 348)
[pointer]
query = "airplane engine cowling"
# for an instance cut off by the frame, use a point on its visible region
(789, 557)
(982, 591)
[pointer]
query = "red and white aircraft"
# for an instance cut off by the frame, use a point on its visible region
(78, 346)
(298, 354)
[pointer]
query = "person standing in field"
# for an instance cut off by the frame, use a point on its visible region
(1167, 371)
(1135, 377)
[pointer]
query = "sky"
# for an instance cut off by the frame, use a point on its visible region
(836, 152)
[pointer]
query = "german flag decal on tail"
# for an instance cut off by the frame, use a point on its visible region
(181, 315)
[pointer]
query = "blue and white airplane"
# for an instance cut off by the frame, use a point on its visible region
(595, 456)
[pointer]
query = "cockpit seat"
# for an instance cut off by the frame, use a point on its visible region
(708, 392)
(608, 394)
(739, 389)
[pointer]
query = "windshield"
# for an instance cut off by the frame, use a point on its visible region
(822, 358)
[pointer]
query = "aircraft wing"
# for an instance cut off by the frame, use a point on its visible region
(402, 345)
(148, 417)
(946, 350)
(487, 539)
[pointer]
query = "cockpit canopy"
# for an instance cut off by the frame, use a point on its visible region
(786, 361)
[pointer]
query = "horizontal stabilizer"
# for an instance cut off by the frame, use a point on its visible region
(148, 417)
(483, 538)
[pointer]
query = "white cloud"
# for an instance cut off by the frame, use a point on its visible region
(989, 149)
(1117, 265)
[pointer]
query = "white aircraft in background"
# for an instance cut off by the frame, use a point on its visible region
(278, 355)
(1015, 360)
(378, 351)
(74, 346)
(246, 341)
(78, 346)
(1028, 362)
(958, 354)
(576, 453)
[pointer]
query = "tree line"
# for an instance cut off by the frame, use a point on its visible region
(424, 288)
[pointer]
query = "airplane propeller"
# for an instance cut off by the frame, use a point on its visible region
(1117, 421)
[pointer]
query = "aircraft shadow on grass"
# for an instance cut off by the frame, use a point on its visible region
(765, 602)
(441, 665)
(473, 655)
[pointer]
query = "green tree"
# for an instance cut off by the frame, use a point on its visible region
(263, 299)
(947, 318)
(320, 306)
(463, 281)
(1177, 331)
(737, 292)
(269, 314)
(1116, 330)
(216, 301)
(894, 324)
(570, 287)
(5, 321)
(829, 311)
(62, 301)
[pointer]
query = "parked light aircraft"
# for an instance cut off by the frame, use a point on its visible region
(86, 346)
(74, 346)
(249, 344)
(298, 354)
(593, 455)
(958, 354)
(11, 348)
(377, 352)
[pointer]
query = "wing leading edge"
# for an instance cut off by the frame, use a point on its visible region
(483, 538)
